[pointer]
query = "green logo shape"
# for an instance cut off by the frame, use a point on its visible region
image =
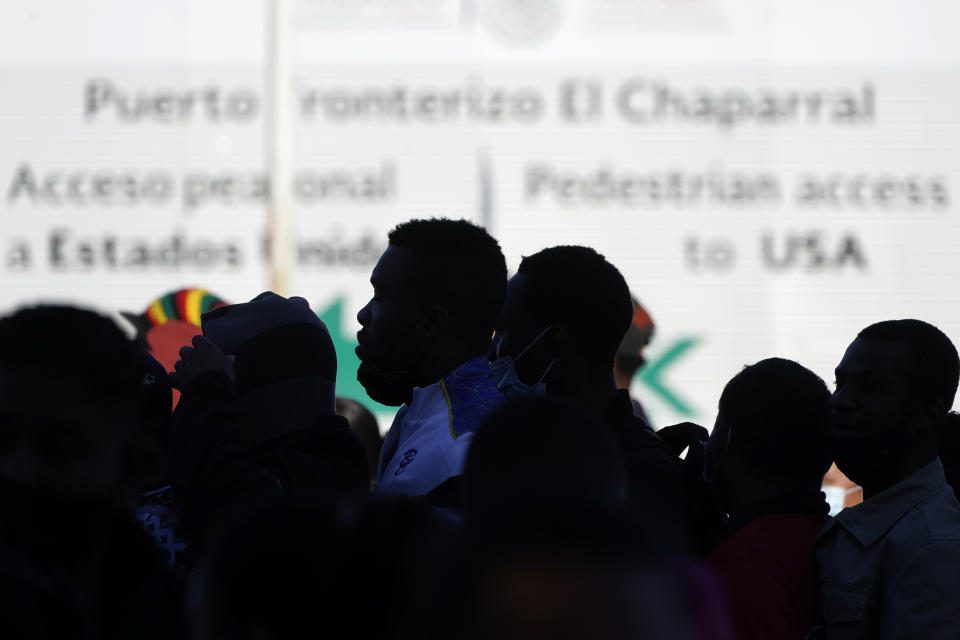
(652, 375)
(347, 361)
(349, 387)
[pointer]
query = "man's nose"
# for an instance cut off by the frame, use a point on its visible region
(841, 400)
(363, 316)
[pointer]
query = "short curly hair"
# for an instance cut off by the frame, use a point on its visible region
(459, 265)
(778, 416)
(578, 289)
(936, 365)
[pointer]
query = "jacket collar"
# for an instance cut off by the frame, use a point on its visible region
(870, 520)
(476, 367)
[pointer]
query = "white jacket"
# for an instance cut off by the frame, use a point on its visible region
(429, 438)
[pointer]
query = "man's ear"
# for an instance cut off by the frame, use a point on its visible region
(928, 417)
(435, 320)
(555, 339)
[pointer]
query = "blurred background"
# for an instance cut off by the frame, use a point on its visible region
(769, 176)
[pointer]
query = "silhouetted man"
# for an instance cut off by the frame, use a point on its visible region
(765, 459)
(437, 294)
(256, 416)
(565, 314)
(889, 565)
(73, 561)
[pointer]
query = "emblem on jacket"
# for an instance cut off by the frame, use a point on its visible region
(408, 457)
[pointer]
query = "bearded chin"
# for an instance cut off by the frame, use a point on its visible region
(391, 389)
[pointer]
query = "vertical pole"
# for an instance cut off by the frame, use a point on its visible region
(486, 190)
(279, 141)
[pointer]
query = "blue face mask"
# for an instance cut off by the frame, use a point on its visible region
(510, 385)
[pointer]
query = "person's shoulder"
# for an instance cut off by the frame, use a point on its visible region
(923, 549)
(940, 516)
(470, 393)
(930, 529)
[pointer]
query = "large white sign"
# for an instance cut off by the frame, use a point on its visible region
(756, 206)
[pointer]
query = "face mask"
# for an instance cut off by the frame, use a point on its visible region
(837, 496)
(510, 385)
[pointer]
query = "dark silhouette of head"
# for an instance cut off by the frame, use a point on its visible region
(895, 384)
(933, 365)
(437, 294)
(541, 451)
(284, 357)
(565, 315)
(771, 435)
(70, 394)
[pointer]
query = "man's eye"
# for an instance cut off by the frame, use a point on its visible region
(872, 387)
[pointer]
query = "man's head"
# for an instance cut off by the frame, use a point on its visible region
(771, 435)
(895, 384)
(283, 356)
(70, 391)
(567, 306)
(437, 294)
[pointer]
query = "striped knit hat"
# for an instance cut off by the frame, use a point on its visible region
(186, 305)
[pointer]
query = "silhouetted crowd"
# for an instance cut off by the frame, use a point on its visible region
(519, 492)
